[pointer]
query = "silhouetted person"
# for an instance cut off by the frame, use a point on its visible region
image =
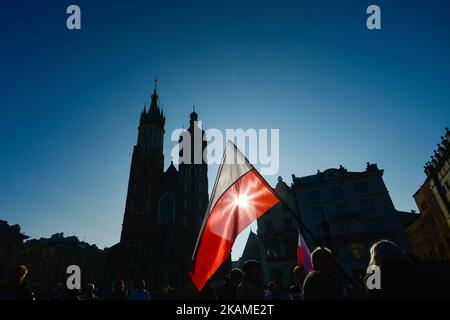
(16, 289)
(168, 293)
(295, 291)
(401, 278)
(208, 292)
(251, 288)
(229, 287)
(70, 294)
(140, 293)
(321, 283)
(90, 292)
(119, 292)
(271, 292)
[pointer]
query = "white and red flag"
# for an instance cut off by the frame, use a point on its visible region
(303, 254)
(240, 195)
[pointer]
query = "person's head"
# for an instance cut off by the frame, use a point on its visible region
(322, 259)
(236, 276)
(271, 285)
(386, 252)
(252, 270)
(299, 274)
(141, 285)
(19, 273)
(90, 288)
(120, 285)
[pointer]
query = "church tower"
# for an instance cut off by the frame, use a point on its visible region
(194, 173)
(146, 171)
(164, 209)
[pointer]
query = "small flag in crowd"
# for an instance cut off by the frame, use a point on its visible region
(303, 254)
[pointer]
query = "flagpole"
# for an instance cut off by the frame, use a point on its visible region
(304, 228)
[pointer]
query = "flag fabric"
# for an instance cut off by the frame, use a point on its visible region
(240, 195)
(303, 254)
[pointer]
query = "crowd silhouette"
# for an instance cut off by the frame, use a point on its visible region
(402, 277)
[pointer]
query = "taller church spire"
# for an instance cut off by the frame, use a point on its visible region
(154, 114)
(154, 108)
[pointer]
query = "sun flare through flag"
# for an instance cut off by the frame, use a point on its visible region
(240, 195)
(303, 254)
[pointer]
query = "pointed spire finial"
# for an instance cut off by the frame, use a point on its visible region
(154, 109)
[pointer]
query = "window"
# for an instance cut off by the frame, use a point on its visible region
(268, 226)
(348, 227)
(273, 249)
(357, 251)
(138, 222)
(314, 195)
(139, 206)
(361, 187)
(288, 224)
(337, 192)
(341, 208)
(166, 214)
(318, 213)
(290, 247)
(368, 205)
(375, 224)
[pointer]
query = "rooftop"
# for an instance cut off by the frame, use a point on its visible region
(58, 239)
(332, 174)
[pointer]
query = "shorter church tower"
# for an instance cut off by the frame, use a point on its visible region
(194, 172)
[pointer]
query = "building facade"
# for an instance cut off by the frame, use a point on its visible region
(11, 245)
(278, 235)
(47, 260)
(429, 234)
(251, 250)
(348, 212)
(164, 208)
(438, 170)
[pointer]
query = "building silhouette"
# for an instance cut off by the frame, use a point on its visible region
(346, 211)
(251, 250)
(164, 208)
(11, 245)
(278, 235)
(48, 258)
(429, 234)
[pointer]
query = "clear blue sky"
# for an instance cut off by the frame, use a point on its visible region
(339, 93)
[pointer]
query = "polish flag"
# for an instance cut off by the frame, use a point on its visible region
(303, 254)
(240, 195)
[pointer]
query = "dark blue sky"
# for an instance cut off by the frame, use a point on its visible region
(339, 93)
